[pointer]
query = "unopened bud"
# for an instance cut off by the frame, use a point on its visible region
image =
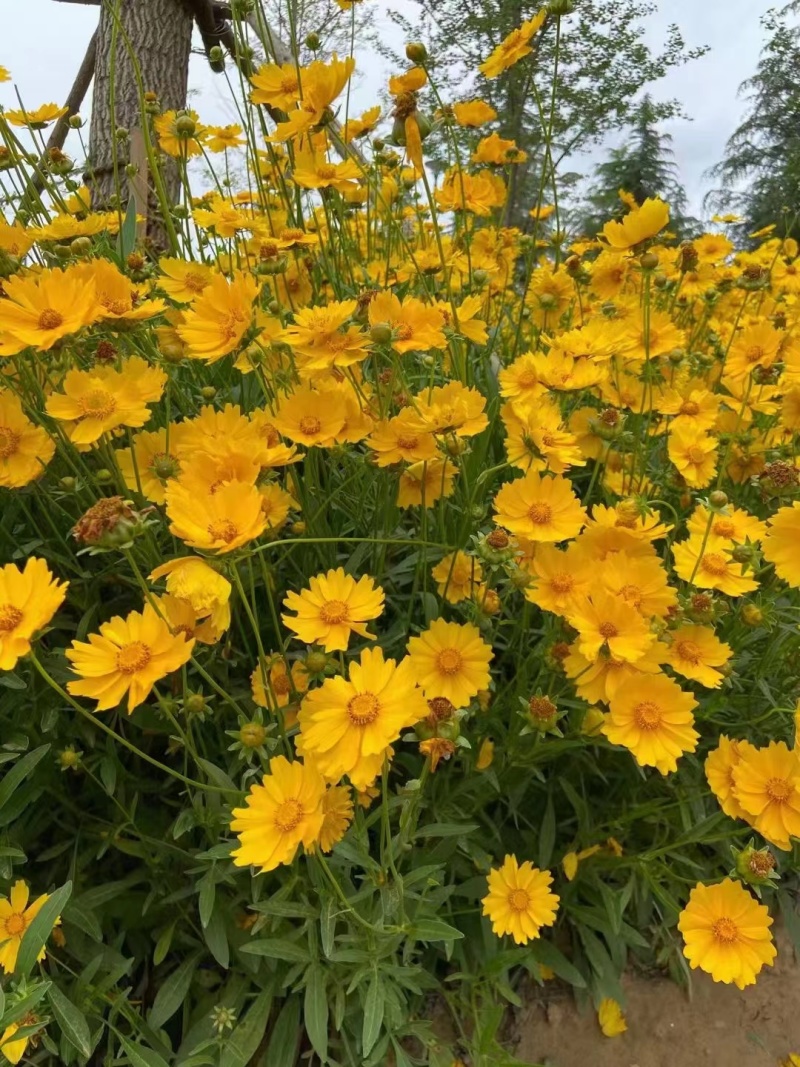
(416, 52)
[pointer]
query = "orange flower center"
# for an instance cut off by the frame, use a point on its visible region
(363, 709)
(404, 332)
(133, 657)
(408, 442)
(608, 630)
(724, 528)
(164, 466)
(222, 530)
(326, 171)
(519, 900)
(194, 283)
(696, 454)
(310, 424)
(725, 930)
(631, 594)
(231, 327)
(689, 407)
(527, 379)
(714, 564)
(291, 234)
(281, 685)
(754, 353)
(116, 307)
(9, 442)
(540, 514)
(449, 661)
(778, 790)
(647, 715)
(15, 924)
(49, 319)
(10, 618)
(289, 84)
(288, 815)
(270, 435)
(562, 583)
(689, 651)
(334, 611)
(98, 404)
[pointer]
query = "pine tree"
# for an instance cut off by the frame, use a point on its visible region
(760, 173)
(643, 167)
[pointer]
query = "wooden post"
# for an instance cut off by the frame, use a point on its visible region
(139, 181)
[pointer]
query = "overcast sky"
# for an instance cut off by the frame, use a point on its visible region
(42, 43)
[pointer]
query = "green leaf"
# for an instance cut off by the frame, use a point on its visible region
(162, 945)
(126, 240)
(71, 1021)
(140, 1056)
(208, 892)
(547, 834)
(36, 935)
(83, 919)
(172, 993)
(327, 925)
(243, 1043)
(217, 938)
(374, 1004)
(447, 829)
(278, 948)
(19, 772)
(282, 1050)
(11, 681)
(433, 930)
(218, 776)
(315, 1011)
(546, 953)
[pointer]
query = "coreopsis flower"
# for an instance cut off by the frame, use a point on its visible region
(12, 1047)
(605, 621)
(519, 381)
(318, 338)
(281, 813)
(694, 454)
(766, 783)
(42, 308)
(29, 598)
(711, 566)
(276, 86)
(450, 409)
(782, 544)
(695, 652)
(598, 680)
(183, 280)
(514, 47)
(477, 193)
(180, 133)
(398, 440)
(312, 170)
(416, 327)
(726, 933)
(536, 439)
(539, 508)
(96, 401)
(560, 578)
(152, 460)
(457, 576)
(690, 409)
(719, 766)
(126, 658)
(451, 660)
(361, 125)
(273, 684)
(520, 901)
(653, 719)
(334, 606)
(219, 317)
(221, 138)
(15, 239)
(16, 915)
(337, 811)
(25, 449)
(640, 580)
(218, 521)
(192, 579)
(347, 725)
(498, 151)
(117, 297)
(37, 119)
(321, 84)
(640, 224)
(305, 417)
(423, 484)
(754, 347)
(610, 1018)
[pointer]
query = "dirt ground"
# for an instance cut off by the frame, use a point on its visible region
(719, 1027)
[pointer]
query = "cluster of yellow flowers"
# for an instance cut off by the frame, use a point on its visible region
(601, 459)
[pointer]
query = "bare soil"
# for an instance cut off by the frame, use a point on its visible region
(718, 1027)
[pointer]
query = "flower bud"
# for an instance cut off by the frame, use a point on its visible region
(756, 866)
(185, 126)
(718, 499)
(543, 713)
(316, 662)
(252, 735)
(648, 261)
(216, 55)
(416, 52)
(75, 122)
(195, 704)
(381, 333)
(121, 134)
(81, 246)
(313, 42)
(109, 523)
(751, 615)
(208, 392)
(480, 277)
(68, 483)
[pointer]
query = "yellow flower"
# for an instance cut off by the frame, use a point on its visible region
(191, 578)
(451, 660)
(98, 400)
(180, 134)
(14, 1049)
(357, 127)
(348, 726)
(450, 409)
(398, 440)
(337, 810)
(539, 508)
(42, 308)
(16, 915)
(572, 860)
(334, 606)
(317, 336)
(219, 317)
(220, 138)
(277, 87)
(422, 484)
(118, 298)
(514, 47)
(711, 566)
(416, 327)
(479, 193)
(497, 151)
(473, 113)
(519, 901)
(284, 811)
(457, 576)
(652, 717)
(5, 76)
(638, 225)
(695, 652)
(312, 170)
(640, 580)
(273, 685)
(726, 933)
(719, 767)
(694, 453)
(781, 544)
(183, 280)
(14, 238)
(766, 783)
(610, 1017)
(38, 118)
(321, 84)
(128, 656)
(152, 461)
(605, 621)
(217, 521)
(29, 599)
(733, 524)
(755, 346)
(485, 755)
(25, 449)
(304, 417)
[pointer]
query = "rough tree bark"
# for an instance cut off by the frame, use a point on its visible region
(160, 36)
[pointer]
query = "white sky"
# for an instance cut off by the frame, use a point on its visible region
(43, 41)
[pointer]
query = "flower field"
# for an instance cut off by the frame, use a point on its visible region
(397, 606)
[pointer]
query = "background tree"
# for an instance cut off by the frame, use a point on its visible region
(759, 175)
(643, 167)
(602, 59)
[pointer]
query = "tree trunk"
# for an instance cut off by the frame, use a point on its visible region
(160, 36)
